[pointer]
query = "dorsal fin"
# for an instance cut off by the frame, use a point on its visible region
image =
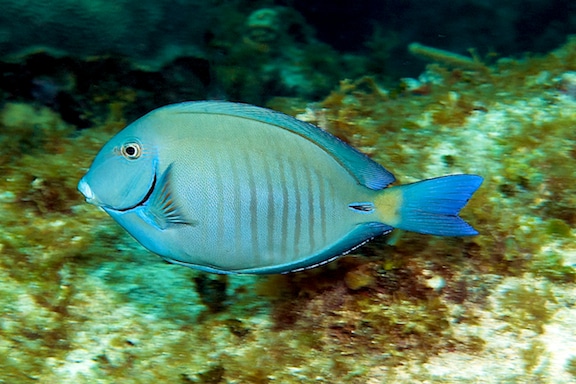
(366, 171)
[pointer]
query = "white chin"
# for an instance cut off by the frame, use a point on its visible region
(85, 189)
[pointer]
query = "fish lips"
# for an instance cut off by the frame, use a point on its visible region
(85, 190)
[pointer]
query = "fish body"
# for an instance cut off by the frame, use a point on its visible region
(233, 188)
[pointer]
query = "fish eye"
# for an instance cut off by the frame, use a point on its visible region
(131, 151)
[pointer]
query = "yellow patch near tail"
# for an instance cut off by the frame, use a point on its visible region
(388, 204)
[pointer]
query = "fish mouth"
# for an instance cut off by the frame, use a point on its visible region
(143, 201)
(85, 190)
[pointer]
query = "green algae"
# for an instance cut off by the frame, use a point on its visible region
(558, 227)
(553, 266)
(571, 366)
(527, 308)
(532, 355)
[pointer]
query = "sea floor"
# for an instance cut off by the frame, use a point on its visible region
(82, 302)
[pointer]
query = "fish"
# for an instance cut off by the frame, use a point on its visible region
(233, 188)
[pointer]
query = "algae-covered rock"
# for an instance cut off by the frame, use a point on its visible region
(149, 32)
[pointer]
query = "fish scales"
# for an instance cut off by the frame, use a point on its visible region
(233, 188)
(252, 156)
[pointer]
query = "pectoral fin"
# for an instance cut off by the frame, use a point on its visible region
(162, 209)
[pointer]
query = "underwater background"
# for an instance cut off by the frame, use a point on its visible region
(426, 88)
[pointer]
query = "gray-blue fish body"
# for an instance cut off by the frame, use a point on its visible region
(234, 188)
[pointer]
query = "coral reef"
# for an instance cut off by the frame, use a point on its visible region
(149, 32)
(282, 59)
(241, 55)
(81, 302)
(340, 40)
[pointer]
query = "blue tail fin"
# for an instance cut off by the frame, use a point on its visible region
(432, 206)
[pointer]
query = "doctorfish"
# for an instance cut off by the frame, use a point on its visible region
(234, 188)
